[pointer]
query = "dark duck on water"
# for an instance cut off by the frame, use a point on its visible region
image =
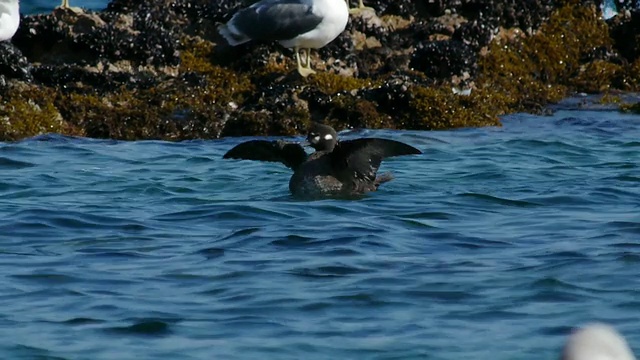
(336, 168)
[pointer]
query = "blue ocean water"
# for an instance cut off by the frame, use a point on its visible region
(28, 7)
(491, 245)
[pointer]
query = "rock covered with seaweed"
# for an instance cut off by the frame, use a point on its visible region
(159, 70)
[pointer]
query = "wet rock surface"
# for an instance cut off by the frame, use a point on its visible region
(159, 70)
(13, 64)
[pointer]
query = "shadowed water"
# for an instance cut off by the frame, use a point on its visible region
(490, 245)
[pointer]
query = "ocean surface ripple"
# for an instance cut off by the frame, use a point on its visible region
(493, 244)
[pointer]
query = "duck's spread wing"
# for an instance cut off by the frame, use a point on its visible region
(290, 154)
(363, 156)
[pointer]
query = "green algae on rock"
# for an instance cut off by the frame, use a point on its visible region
(598, 76)
(332, 83)
(172, 111)
(530, 72)
(27, 117)
(631, 108)
(440, 108)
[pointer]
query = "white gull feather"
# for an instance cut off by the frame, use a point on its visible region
(9, 18)
(597, 342)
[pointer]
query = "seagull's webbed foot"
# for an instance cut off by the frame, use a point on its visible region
(360, 8)
(305, 70)
(64, 5)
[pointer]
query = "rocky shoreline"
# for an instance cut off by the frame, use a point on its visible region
(159, 70)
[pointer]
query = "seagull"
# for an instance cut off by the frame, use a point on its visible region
(9, 18)
(298, 24)
(597, 342)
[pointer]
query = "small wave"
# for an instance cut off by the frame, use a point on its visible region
(556, 330)
(51, 137)
(625, 178)
(329, 271)
(222, 212)
(631, 144)
(362, 298)
(546, 145)
(489, 315)
(75, 220)
(553, 200)
(82, 321)
(113, 254)
(11, 164)
(417, 224)
(440, 295)
(629, 227)
(290, 241)
(576, 121)
(499, 200)
(21, 351)
(615, 165)
(212, 253)
(629, 258)
(48, 279)
(148, 327)
(555, 283)
(429, 215)
(240, 234)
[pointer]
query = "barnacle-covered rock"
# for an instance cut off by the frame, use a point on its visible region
(476, 34)
(13, 65)
(444, 59)
(625, 31)
(160, 70)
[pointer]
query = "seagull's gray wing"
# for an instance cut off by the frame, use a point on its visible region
(275, 20)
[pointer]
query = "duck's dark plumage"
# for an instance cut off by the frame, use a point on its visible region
(336, 168)
(290, 154)
(363, 156)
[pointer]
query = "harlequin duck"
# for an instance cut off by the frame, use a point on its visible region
(336, 168)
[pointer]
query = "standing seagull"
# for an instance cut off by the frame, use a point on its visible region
(9, 18)
(298, 24)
